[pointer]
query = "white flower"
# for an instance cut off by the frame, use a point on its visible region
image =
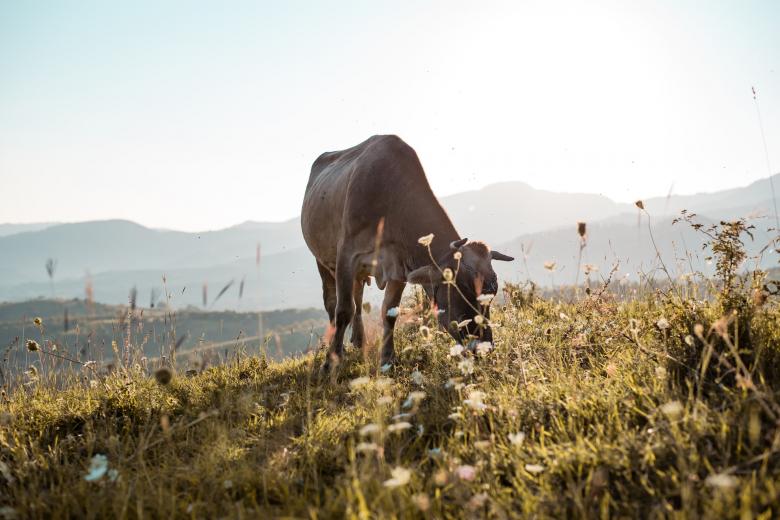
(534, 468)
(98, 467)
(455, 416)
(399, 426)
(400, 476)
(458, 255)
(466, 366)
(392, 312)
(456, 350)
(464, 323)
(426, 240)
(689, 340)
(360, 381)
(484, 348)
(479, 319)
(368, 429)
(448, 275)
(417, 377)
(89, 364)
(466, 472)
(722, 480)
(662, 324)
(485, 299)
(475, 400)
(672, 409)
(366, 446)
(517, 438)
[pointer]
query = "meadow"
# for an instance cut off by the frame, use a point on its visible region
(657, 401)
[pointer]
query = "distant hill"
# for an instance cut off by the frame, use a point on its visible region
(120, 255)
(13, 229)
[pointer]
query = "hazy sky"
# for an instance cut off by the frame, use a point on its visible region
(199, 115)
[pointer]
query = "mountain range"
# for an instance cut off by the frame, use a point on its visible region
(266, 265)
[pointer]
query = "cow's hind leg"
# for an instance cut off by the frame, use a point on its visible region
(390, 312)
(345, 279)
(328, 291)
(358, 333)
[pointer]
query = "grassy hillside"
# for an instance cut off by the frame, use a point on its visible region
(661, 406)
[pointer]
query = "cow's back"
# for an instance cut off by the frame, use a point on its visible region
(350, 190)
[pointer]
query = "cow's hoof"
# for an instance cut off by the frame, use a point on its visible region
(329, 367)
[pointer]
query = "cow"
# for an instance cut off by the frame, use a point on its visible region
(369, 211)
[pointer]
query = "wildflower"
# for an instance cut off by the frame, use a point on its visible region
(516, 439)
(455, 416)
(384, 400)
(464, 323)
(456, 350)
(689, 340)
(163, 375)
(662, 324)
(359, 382)
(672, 409)
(366, 446)
(417, 377)
(368, 429)
(392, 312)
(466, 472)
(589, 268)
(479, 319)
(549, 265)
(399, 426)
(581, 229)
(32, 345)
(458, 255)
(37, 321)
(422, 501)
(722, 481)
(660, 372)
(698, 329)
(448, 275)
(466, 366)
(440, 478)
(93, 383)
(485, 299)
(425, 332)
(564, 316)
(477, 501)
(400, 477)
(484, 348)
(534, 468)
(97, 468)
(426, 240)
(89, 364)
(475, 400)
(416, 397)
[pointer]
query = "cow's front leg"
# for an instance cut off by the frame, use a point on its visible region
(358, 332)
(390, 312)
(344, 311)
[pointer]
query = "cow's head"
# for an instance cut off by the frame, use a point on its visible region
(463, 275)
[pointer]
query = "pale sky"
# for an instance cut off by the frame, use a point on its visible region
(200, 115)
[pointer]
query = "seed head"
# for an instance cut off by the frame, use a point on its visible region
(163, 376)
(37, 321)
(448, 275)
(426, 240)
(639, 204)
(32, 345)
(581, 229)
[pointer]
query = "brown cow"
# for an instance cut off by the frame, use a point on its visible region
(379, 186)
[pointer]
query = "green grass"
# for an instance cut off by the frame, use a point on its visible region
(617, 422)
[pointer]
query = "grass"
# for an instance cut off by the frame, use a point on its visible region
(664, 404)
(582, 410)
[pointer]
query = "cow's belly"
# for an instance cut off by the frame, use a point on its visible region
(321, 218)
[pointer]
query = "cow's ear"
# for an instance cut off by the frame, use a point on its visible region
(495, 255)
(425, 275)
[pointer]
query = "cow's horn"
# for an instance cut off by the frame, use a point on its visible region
(456, 244)
(495, 255)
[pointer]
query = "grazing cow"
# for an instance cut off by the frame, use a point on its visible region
(364, 213)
